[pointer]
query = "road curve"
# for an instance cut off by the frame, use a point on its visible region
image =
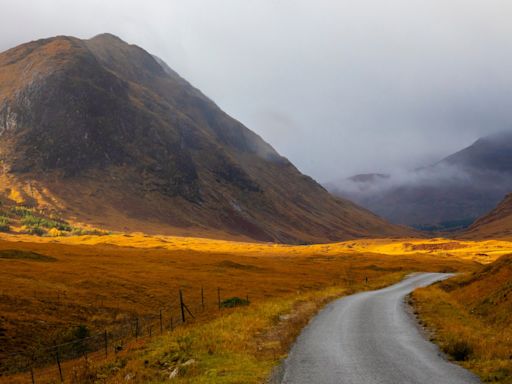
(369, 338)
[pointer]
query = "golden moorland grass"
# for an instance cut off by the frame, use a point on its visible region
(242, 347)
(471, 319)
(103, 282)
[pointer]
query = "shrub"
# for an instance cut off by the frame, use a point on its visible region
(234, 302)
(4, 224)
(21, 211)
(38, 231)
(459, 350)
(78, 339)
(88, 232)
(54, 232)
(34, 221)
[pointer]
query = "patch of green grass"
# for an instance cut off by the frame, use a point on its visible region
(35, 222)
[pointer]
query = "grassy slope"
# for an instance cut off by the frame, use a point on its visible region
(471, 316)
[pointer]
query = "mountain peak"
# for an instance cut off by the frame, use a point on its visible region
(106, 36)
(110, 133)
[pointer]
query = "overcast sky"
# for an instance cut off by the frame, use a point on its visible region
(339, 87)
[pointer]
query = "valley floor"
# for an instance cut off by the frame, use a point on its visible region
(98, 284)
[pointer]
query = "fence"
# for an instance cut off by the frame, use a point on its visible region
(68, 362)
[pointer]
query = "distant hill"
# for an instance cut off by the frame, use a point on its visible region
(497, 224)
(104, 133)
(450, 194)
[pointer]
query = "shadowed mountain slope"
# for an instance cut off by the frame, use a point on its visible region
(450, 194)
(107, 134)
(497, 224)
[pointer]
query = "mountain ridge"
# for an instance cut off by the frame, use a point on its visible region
(104, 132)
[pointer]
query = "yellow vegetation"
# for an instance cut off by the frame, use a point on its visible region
(471, 319)
(54, 232)
(16, 196)
(102, 281)
(241, 347)
(479, 251)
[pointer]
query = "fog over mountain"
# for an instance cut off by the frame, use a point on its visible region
(339, 87)
(448, 194)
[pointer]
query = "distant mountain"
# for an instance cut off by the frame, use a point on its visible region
(450, 194)
(107, 134)
(497, 224)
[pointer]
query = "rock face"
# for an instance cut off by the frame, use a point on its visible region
(110, 135)
(448, 195)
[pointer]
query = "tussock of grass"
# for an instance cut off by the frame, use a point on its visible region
(234, 302)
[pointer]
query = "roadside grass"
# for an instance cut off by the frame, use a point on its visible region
(469, 327)
(242, 346)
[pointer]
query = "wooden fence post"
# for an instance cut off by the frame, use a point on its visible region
(57, 357)
(161, 324)
(32, 376)
(105, 337)
(182, 307)
(202, 298)
(218, 297)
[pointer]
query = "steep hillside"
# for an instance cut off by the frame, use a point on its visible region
(496, 224)
(450, 194)
(104, 133)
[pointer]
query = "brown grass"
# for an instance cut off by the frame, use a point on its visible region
(121, 276)
(471, 319)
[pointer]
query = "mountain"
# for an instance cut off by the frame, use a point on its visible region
(101, 132)
(450, 194)
(497, 224)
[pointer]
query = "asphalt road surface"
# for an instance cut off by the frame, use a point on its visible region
(370, 338)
